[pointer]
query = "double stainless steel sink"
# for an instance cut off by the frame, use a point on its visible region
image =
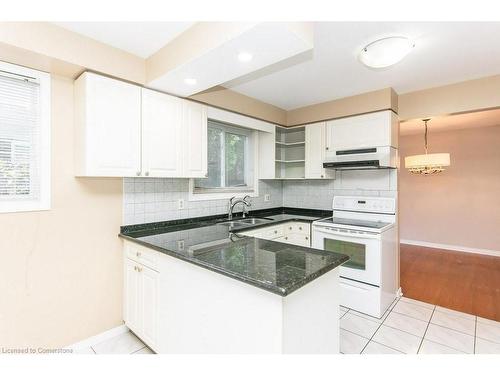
(242, 223)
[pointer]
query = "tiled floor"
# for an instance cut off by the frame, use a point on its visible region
(409, 326)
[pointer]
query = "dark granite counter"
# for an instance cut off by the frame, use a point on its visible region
(274, 266)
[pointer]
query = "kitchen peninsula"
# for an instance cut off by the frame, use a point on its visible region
(200, 286)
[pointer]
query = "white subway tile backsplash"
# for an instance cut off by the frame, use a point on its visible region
(156, 199)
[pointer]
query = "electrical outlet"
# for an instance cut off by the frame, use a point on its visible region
(180, 245)
(267, 198)
(180, 204)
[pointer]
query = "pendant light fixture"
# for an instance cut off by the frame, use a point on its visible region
(427, 164)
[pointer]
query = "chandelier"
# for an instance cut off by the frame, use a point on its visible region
(427, 164)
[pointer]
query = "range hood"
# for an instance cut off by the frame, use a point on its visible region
(363, 158)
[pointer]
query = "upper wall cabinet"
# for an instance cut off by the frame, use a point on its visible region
(124, 130)
(370, 130)
(316, 152)
(107, 127)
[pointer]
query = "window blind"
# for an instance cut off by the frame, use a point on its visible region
(20, 138)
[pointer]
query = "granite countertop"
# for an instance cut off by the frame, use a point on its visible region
(274, 266)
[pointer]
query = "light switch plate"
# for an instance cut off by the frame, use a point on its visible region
(180, 204)
(267, 198)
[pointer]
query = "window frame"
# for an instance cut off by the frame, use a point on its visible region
(251, 171)
(44, 201)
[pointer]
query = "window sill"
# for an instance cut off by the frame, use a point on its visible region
(219, 195)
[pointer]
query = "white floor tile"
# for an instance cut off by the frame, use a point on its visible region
(358, 325)
(396, 339)
(488, 332)
(455, 313)
(144, 350)
(376, 348)
(351, 343)
(413, 310)
(417, 302)
(83, 351)
(369, 317)
(430, 347)
(486, 347)
(406, 323)
(488, 321)
(449, 337)
(455, 322)
(126, 343)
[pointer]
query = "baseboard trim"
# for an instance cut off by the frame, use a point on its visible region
(103, 336)
(451, 247)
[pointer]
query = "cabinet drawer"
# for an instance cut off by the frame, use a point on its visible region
(141, 254)
(271, 233)
(298, 228)
(302, 239)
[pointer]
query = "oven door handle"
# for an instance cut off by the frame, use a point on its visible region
(326, 230)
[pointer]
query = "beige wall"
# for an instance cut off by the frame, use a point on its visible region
(461, 206)
(61, 270)
(353, 105)
(466, 96)
(233, 101)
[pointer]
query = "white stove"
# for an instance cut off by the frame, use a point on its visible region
(365, 229)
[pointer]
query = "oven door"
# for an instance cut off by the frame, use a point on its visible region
(363, 248)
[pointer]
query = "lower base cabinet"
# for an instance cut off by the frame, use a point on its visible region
(294, 233)
(141, 301)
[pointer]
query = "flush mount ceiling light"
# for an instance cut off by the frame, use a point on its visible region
(427, 164)
(244, 56)
(386, 52)
(190, 81)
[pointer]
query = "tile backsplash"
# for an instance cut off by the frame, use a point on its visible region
(156, 199)
(148, 200)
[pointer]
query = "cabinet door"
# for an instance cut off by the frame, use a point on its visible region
(195, 136)
(315, 151)
(161, 135)
(149, 305)
(131, 297)
(108, 121)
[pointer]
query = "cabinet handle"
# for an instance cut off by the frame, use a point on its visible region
(138, 173)
(290, 228)
(327, 148)
(139, 269)
(307, 238)
(147, 173)
(135, 268)
(322, 176)
(300, 228)
(138, 254)
(275, 232)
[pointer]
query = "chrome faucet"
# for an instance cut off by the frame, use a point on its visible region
(233, 203)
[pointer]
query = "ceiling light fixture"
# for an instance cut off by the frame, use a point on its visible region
(386, 51)
(244, 56)
(190, 81)
(427, 164)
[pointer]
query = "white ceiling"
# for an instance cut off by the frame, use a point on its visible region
(452, 122)
(444, 53)
(139, 38)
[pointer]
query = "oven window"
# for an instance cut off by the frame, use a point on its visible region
(356, 252)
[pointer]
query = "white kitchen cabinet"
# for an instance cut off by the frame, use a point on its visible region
(141, 301)
(195, 140)
(162, 135)
(107, 127)
(123, 130)
(295, 233)
(267, 150)
(316, 152)
(369, 130)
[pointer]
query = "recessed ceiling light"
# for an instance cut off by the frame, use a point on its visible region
(244, 56)
(386, 52)
(190, 81)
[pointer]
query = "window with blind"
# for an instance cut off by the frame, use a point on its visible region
(24, 139)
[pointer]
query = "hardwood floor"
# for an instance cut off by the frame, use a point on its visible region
(460, 281)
